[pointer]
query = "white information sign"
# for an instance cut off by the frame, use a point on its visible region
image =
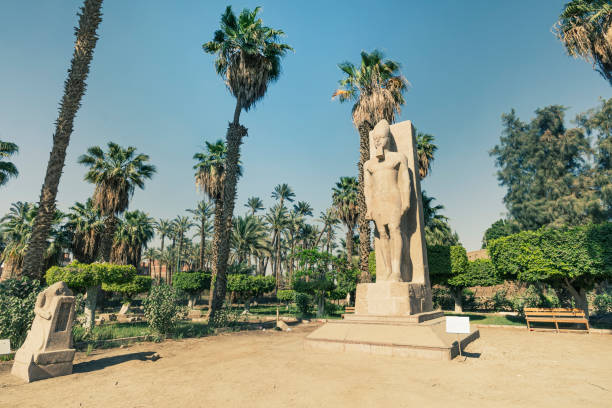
(457, 324)
(5, 346)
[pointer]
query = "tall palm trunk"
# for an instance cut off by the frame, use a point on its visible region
(106, 241)
(277, 262)
(161, 253)
(364, 225)
(178, 255)
(218, 224)
(349, 244)
(90, 17)
(202, 244)
(235, 133)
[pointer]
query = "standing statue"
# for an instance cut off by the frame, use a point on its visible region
(387, 190)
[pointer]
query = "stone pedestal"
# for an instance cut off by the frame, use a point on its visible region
(47, 351)
(392, 299)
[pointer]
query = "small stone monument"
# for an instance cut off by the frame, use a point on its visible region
(393, 316)
(47, 351)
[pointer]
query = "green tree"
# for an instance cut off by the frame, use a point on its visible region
(585, 29)
(437, 229)
(316, 276)
(16, 230)
(7, 169)
(132, 236)
(344, 197)
(181, 226)
(115, 174)
(246, 287)
(574, 258)
(248, 58)
(202, 215)
(248, 238)
(425, 152)
(90, 17)
(254, 204)
(277, 220)
(164, 229)
(85, 225)
(192, 283)
(543, 167)
(500, 228)
(376, 89)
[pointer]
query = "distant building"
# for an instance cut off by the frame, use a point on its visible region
(480, 254)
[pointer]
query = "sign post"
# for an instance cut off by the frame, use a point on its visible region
(5, 346)
(458, 325)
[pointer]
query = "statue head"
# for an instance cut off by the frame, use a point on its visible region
(382, 138)
(59, 289)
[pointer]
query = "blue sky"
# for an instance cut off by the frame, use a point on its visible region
(152, 87)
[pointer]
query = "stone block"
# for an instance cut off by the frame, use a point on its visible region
(392, 298)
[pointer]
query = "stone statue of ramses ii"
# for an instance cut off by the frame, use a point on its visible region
(387, 189)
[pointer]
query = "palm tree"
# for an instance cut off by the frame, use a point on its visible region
(202, 215)
(344, 197)
(425, 152)
(16, 230)
(283, 192)
(86, 226)
(116, 174)
(585, 28)
(90, 17)
(437, 229)
(7, 169)
(164, 229)
(254, 204)
(248, 238)
(303, 208)
(330, 221)
(132, 236)
(248, 58)
(181, 226)
(377, 89)
(150, 254)
(277, 221)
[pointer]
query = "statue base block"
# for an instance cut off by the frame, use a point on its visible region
(392, 299)
(30, 367)
(391, 336)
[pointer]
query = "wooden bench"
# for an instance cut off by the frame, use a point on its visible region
(556, 316)
(348, 310)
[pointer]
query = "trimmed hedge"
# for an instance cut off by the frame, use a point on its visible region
(79, 276)
(192, 283)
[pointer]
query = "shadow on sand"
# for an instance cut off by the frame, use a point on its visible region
(102, 363)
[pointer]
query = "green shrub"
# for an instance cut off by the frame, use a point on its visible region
(468, 299)
(286, 296)
(192, 283)
(304, 303)
(79, 276)
(162, 310)
(138, 284)
(442, 298)
(17, 300)
(602, 304)
(500, 301)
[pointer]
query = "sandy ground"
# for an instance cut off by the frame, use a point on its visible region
(271, 369)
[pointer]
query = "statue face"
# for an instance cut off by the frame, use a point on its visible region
(381, 142)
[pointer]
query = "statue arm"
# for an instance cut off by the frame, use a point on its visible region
(40, 303)
(367, 191)
(405, 183)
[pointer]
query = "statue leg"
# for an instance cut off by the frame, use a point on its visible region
(383, 243)
(396, 244)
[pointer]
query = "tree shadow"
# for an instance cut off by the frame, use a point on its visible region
(102, 363)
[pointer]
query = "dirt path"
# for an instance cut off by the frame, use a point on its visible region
(508, 368)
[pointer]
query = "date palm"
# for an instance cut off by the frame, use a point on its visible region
(16, 230)
(132, 236)
(164, 229)
(90, 17)
(254, 204)
(248, 238)
(330, 221)
(344, 197)
(248, 58)
(585, 29)
(303, 208)
(86, 225)
(376, 89)
(437, 229)
(425, 153)
(7, 169)
(116, 174)
(277, 219)
(283, 192)
(181, 226)
(202, 215)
